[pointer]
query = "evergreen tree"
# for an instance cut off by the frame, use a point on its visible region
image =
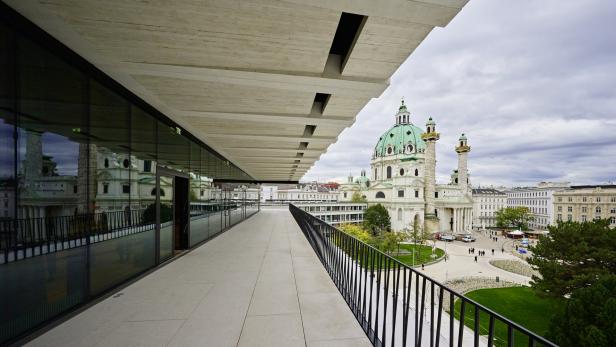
(589, 319)
(574, 255)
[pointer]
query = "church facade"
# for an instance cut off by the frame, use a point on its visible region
(402, 178)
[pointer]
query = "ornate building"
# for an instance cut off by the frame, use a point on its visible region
(403, 179)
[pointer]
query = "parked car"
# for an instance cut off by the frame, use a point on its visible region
(446, 237)
(468, 238)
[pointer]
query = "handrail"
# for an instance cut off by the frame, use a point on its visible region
(367, 278)
(23, 238)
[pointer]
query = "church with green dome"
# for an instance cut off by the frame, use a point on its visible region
(402, 178)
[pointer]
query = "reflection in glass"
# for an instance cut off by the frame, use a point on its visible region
(166, 218)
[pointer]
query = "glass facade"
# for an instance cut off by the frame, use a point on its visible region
(84, 202)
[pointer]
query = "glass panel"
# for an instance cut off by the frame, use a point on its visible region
(166, 217)
(40, 281)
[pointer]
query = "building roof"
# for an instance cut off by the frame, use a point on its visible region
(399, 137)
(602, 186)
(487, 191)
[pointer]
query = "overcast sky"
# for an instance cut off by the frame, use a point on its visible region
(531, 83)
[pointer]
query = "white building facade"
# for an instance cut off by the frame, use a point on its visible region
(539, 200)
(486, 202)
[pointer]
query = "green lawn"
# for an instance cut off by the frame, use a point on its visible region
(519, 304)
(423, 254)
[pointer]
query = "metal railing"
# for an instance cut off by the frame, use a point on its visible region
(24, 238)
(399, 306)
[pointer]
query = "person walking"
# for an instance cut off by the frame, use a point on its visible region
(422, 266)
(492, 251)
(475, 259)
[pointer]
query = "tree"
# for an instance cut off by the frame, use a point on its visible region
(589, 318)
(376, 219)
(357, 231)
(573, 256)
(357, 197)
(517, 217)
(419, 235)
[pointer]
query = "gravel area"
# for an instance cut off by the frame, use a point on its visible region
(517, 267)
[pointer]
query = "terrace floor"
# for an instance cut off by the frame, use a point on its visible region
(258, 284)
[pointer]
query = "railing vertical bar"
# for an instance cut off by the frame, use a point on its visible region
(421, 313)
(431, 313)
(476, 326)
(491, 332)
(461, 321)
(394, 302)
(439, 315)
(385, 300)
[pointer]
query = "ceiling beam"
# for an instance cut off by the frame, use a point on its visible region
(330, 83)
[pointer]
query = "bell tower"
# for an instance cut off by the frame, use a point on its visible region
(430, 137)
(463, 149)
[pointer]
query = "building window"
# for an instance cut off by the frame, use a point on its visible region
(105, 188)
(583, 218)
(569, 218)
(613, 210)
(344, 194)
(436, 194)
(389, 172)
(401, 193)
(399, 214)
(584, 209)
(74, 189)
(598, 199)
(106, 164)
(584, 199)
(409, 148)
(613, 220)
(375, 172)
(147, 166)
(380, 195)
(416, 172)
(598, 209)
(560, 199)
(560, 208)
(559, 217)
(126, 188)
(569, 199)
(569, 209)
(389, 150)
(416, 193)
(401, 172)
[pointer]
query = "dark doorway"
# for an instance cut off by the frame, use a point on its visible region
(181, 214)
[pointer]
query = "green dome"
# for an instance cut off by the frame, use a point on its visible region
(362, 179)
(398, 138)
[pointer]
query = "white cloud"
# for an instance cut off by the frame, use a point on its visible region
(530, 82)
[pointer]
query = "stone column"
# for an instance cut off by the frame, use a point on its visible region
(455, 220)
(430, 138)
(462, 149)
